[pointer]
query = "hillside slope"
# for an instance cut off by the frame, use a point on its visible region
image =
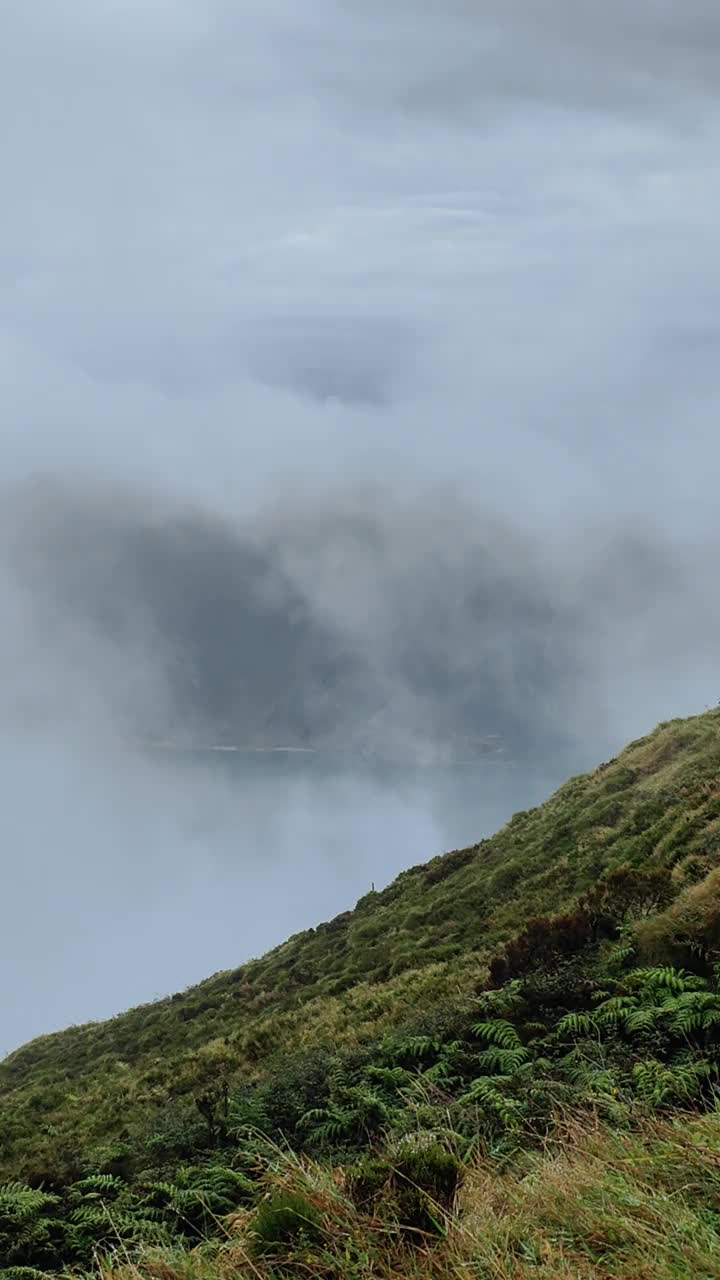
(417, 947)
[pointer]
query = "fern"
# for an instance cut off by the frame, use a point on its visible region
(502, 1061)
(220, 1186)
(502, 1002)
(337, 1075)
(577, 1024)
(416, 1047)
(326, 1126)
(168, 1193)
(98, 1184)
(591, 1079)
(91, 1226)
(695, 1013)
(658, 1083)
(441, 1073)
(485, 1090)
(393, 1077)
(612, 1013)
(498, 1031)
(619, 956)
(675, 980)
(21, 1204)
(25, 1227)
(635, 1021)
(357, 1112)
(22, 1273)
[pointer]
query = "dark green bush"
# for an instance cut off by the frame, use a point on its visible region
(627, 891)
(547, 939)
(447, 864)
(285, 1220)
(178, 1132)
(368, 1179)
(416, 1186)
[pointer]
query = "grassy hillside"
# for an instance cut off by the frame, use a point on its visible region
(440, 1027)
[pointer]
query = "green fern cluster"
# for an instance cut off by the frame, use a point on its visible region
(102, 1212)
(26, 1225)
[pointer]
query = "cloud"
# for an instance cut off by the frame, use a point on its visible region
(455, 61)
(358, 368)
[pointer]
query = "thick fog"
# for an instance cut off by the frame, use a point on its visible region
(359, 398)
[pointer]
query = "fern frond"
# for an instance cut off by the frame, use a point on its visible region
(98, 1182)
(612, 1012)
(417, 1047)
(440, 1073)
(577, 1024)
(502, 1061)
(620, 955)
(395, 1077)
(486, 1092)
(695, 1013)
(22, 1202)
(667, 977)
(498, 1031)
(639, 1020)
(22, 1273)
(656, 1082)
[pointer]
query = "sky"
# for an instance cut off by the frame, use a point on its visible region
(358, 371)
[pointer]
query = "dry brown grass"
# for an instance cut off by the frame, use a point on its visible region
(693, 919)
(593, 1205)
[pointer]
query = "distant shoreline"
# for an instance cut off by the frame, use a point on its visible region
(493, 758)
(194, 746)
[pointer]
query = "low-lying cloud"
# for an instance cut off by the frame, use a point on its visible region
(359, 390)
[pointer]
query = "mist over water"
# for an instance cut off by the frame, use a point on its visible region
(359, 396)
(178, 867)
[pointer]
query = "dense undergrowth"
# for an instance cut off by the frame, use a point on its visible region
(482, 1070)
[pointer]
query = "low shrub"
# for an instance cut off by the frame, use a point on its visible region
(415, 1187)
(286, 1219)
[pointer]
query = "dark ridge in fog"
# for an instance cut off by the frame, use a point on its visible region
(415, 633)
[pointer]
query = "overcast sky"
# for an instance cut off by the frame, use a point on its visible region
(452, 266)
